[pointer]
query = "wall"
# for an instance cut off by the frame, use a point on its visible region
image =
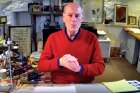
(22, 18)
(113, 31)
(134, 8)
(93, 10)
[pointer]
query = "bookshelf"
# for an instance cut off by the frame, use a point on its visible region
(45, 16)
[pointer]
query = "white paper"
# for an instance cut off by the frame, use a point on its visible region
(101, 32)
(55, 89)
(135, 30)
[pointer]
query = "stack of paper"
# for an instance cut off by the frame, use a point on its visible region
(120, 86)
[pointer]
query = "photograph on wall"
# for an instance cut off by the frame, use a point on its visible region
(93, 10)
(3, 19)
(132, 20)
(1, 35)
(121, 13)
(22, 36)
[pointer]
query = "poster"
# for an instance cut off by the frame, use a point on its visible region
(22, 36)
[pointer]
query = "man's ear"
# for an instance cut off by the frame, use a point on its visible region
(63, 18)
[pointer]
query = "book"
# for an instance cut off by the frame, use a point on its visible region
(121, 86)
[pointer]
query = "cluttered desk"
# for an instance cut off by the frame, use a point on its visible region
(121, 86)
(6, 86)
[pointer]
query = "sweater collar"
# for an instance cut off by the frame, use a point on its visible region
(76, 35)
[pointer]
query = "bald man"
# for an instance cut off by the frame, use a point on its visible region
(72, 55)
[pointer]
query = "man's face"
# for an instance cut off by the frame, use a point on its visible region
(72, 18)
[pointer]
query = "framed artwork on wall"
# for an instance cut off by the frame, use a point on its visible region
(34, 7)
(3, 19)
(1, 35)
(132, 20)
(22, 36)
(93, 10)
(121, 14)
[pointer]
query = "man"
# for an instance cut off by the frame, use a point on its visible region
(72, 55)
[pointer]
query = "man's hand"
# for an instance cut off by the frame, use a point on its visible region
(70, 62)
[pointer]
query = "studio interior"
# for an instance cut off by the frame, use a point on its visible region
(25, 26)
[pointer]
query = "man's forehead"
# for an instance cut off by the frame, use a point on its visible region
(72, 7)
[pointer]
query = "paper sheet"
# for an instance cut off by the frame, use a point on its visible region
(135, 30)
(101, 32)
(55, 89)
(120, 86)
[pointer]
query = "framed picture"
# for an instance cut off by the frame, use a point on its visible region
(22, 36)
(93, 11)
(132, 20)
(121, 14)
(34, 7)
(1, 35)
(3, 19)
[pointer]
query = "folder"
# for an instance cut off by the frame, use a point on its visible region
(121, 86)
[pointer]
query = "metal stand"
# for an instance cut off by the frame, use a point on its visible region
(8, 57)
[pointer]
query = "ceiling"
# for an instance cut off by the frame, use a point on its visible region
(13, 5)
(4, 1)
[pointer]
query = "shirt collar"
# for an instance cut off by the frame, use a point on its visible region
(74, 36)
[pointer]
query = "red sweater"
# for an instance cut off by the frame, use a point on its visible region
(85, 47)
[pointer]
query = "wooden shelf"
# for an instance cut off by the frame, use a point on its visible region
(46, 13)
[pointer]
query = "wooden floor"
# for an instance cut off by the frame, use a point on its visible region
(117, 69)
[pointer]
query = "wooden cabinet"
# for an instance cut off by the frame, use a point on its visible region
(105, 48)
(44, 16)
(131, 45)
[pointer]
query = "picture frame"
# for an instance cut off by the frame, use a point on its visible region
(22, 36)
(121, 14)
(3, 19)
(132, 20)
(93, 11)
(34, 7)
(1, 34)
